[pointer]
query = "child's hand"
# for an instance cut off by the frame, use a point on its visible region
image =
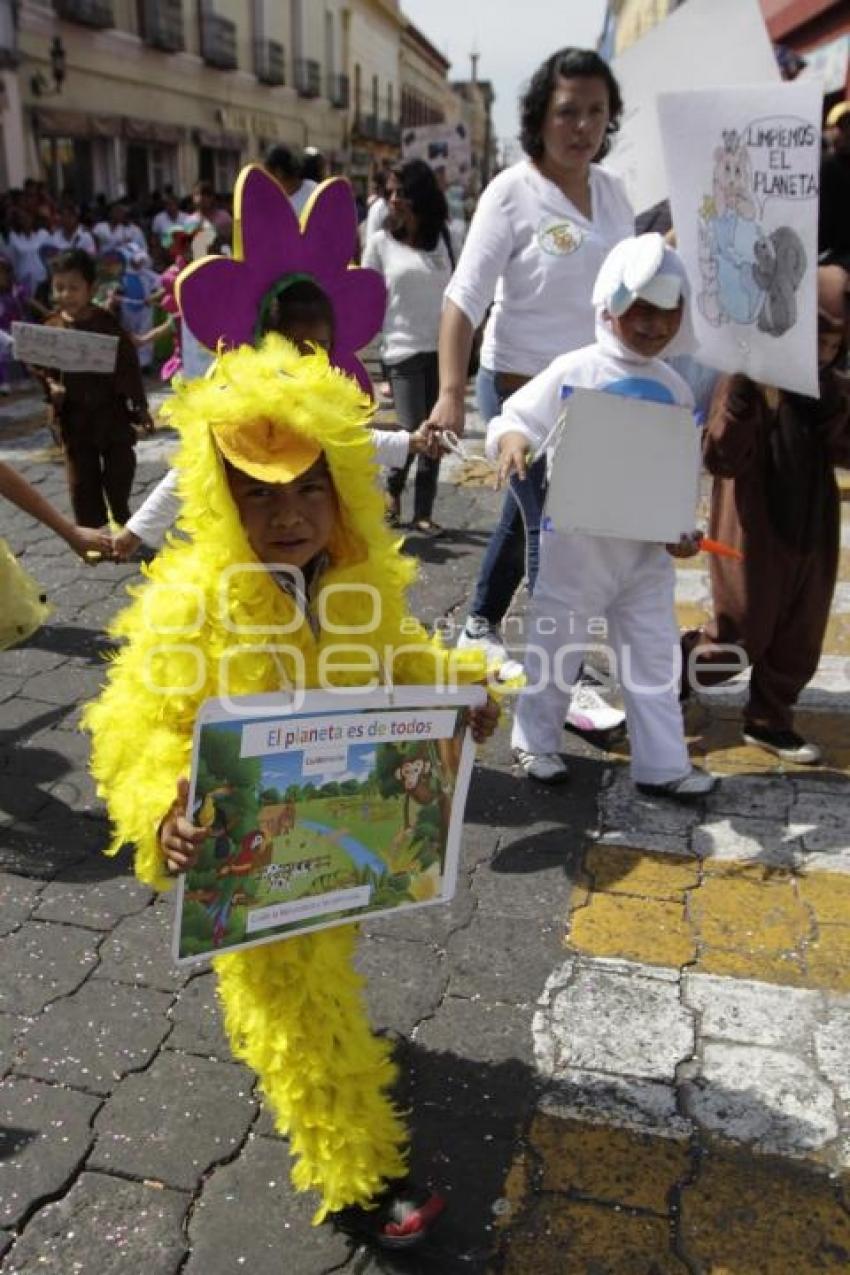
(179, 840)
(687, 546)
(91, 545)
(425, 441)
(513, 456)
(146, 423)
(124, 543)
(57, 394)
(484, 720)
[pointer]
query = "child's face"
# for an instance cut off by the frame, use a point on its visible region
(310, 332)
(829, 346)
(71, 293)
(645, 328)
(286, 523)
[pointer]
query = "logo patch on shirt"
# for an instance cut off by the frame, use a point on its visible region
(559, 238)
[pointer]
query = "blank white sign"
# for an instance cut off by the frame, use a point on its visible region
(64, 348)
(624, 467)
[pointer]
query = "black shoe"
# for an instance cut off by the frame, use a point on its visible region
(786, 744)
(402, 1217)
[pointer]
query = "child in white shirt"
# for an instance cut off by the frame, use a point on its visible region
(640, 295)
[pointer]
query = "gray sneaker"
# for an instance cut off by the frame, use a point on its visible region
(546, 768)
(693, 785)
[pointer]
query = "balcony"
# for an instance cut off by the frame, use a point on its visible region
(338, 91)
(366, 126)
(218, 42)
(162, 25)
(308, 77)
(390, 132)
(88, 13)
(269, 62)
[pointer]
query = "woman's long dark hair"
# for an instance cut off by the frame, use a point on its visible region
(569, 63)
(427, 202)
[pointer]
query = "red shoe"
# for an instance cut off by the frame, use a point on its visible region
(402, 1217)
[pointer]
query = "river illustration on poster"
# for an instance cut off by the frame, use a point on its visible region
(743, 170)
(317, 820)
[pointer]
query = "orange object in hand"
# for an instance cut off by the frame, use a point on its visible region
(717, 546)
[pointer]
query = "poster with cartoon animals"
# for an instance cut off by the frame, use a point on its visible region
(742, 167)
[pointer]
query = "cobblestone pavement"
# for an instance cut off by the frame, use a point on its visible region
(624, 1044)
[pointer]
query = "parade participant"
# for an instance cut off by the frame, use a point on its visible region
(537, 239)
(629, 583)
(276, 469)
(13, 308)
(415, 257)
(70, 232)
(285, 167)
(775, 499)
(23, 606)
(96, 412)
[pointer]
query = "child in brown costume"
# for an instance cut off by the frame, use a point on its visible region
(96, 412)
(775, 498)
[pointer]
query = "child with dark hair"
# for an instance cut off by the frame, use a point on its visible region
(775, 498)
(298, 309)
(96, 413)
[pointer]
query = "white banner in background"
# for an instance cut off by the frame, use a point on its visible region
(743, 167)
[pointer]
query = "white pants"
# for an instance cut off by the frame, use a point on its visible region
(585, 581)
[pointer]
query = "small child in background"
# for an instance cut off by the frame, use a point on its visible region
(775, 498)
(582, 578)
(110, 267)
(300, 311)
(96, 412)
(138, 284)
(13, 309)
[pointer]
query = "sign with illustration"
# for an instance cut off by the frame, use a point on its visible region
(743, 170)
(446, 147)
(350, 806)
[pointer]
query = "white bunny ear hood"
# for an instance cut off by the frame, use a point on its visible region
(645, 267)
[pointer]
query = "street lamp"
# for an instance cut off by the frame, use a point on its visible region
(39, 85)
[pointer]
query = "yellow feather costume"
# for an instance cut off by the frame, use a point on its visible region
(293, 1009)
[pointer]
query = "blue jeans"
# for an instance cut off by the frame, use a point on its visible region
(513, 550)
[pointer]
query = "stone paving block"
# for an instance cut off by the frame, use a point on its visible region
(96, 904)
(630, 870)
(622, 1024)
(198, 1026)
(749, 916)
(491, 958)
(827, 959)
(769, 1099)
(757, 1216)
(176, 1120)
(22, 719)
(18, 897)
(139, 950)
(104, 1225)
(427, 925)
(832, 1054)
(558, 1235)
(12, 1029)
(51, 842)
(64, 685)
(787, 968)
(753, 1013)
(479, 1030)
(524, 895)
(825, 819)
(45, 1133)
(249, 1217)
(617, 1166)
(623, 808)
(767, 797)
(404, 982)
(41, 962)
(27, 661)
(772, 844)
(91, 1039)
(828, 895)
(648, 930)
(19, 800)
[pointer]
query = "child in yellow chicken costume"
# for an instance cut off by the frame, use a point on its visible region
(275, 466)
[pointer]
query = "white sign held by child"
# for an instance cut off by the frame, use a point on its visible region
(624, 467)
(743, 167)
(64, 348)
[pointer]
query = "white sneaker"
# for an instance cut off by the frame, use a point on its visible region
(692, 785)
(479, 635)
(546, 768)
(786, 744)
(590, 712)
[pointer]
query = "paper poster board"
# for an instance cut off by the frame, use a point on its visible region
(64, 348)
(624, 467)
(702, 44)
(445, 147)
(350, 806)
(743, 166)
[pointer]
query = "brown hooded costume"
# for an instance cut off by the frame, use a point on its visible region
(775, 498)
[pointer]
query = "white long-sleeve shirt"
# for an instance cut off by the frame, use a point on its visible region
(606, 365)
(416, 281)
(158, 513)
(536, 256)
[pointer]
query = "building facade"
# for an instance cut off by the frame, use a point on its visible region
(820, 31)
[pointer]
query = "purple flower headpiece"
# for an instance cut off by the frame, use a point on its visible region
(221, 298)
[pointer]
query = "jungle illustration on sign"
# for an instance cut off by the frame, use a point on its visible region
(318, 818)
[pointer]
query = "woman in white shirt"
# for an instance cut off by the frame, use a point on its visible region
(25, 244)
(414, 254)
(540, 232)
